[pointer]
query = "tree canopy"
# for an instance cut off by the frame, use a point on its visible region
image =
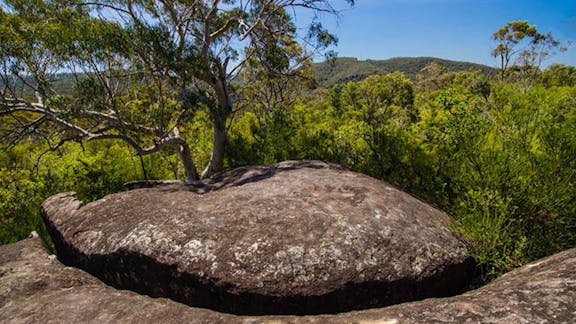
(144, 67)
(523, 44)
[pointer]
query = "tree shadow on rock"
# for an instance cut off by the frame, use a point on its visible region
(233, 178)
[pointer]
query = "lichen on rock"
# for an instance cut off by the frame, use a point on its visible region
(302, 237)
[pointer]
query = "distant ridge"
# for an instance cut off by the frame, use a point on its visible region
(328, 74)
(345, 69)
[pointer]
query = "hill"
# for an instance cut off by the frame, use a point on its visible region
(340, 70)
(344, 69)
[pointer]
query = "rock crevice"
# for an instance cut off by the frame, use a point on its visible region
(36, 288)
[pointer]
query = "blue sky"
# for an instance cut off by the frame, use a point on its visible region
(451, 29)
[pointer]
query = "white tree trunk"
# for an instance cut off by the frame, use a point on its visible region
(189, 167)
(219, 138)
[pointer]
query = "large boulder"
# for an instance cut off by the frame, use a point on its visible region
(36, 288)
(291, 238)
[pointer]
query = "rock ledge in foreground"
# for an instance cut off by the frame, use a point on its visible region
(36, 288)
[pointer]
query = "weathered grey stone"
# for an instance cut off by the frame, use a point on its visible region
(541, 292)
(36, 288)
(291, 238)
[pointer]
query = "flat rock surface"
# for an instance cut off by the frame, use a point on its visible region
(37, 288)
(292, 238)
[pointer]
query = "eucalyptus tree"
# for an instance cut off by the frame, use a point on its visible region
(522, 44)
(142, 68)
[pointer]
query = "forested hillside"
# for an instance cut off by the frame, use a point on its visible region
(343, 69)
(336, 71)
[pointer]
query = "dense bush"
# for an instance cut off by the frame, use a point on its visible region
(28, 176)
